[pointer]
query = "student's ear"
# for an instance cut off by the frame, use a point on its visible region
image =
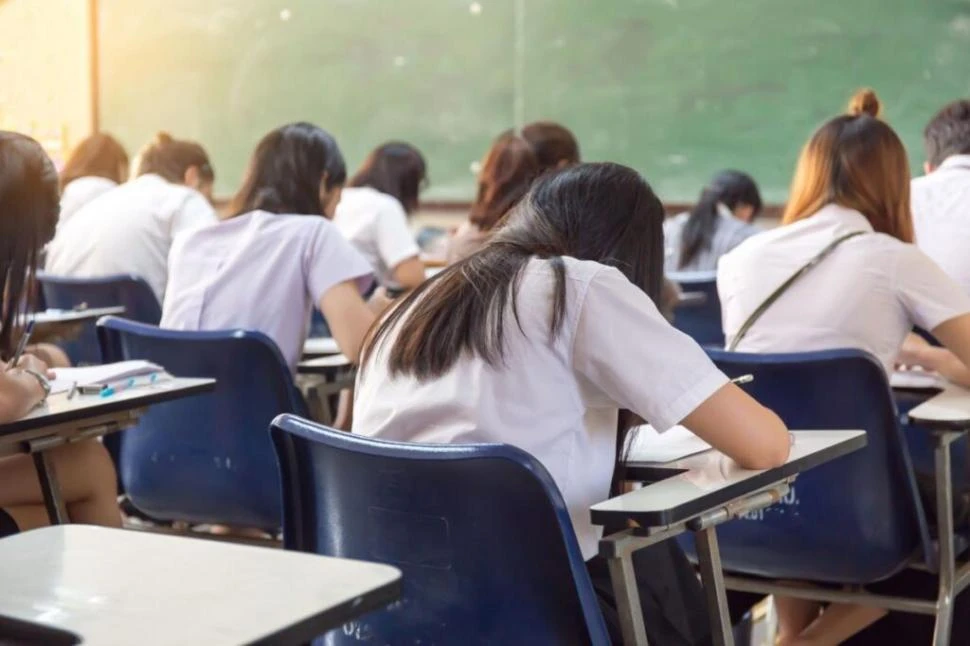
(192, 178)
(329, 196)
(928, 167)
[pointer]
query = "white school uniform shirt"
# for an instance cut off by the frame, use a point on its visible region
(941, 217)
(376, 224)
(81, 191)
(128, 230)
(259, 271)
(867, 294)
(558, 398)
(729, 233)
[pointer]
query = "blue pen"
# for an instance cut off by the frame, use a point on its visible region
(133, 382)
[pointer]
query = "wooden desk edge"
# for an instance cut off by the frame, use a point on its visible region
(699, 505)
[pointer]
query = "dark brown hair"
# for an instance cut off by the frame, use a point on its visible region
(29, 206)
(948, 133)
(730, 188)
(508, 170)
(554, 145)
(601, 212)
(285, 171)
(170, 158)
(396, 169)
(100, 155)
(857, 161)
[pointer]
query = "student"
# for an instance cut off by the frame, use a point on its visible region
(867, 293)
(540, 322)
(941, 198)
(720, 221)
(555, 147)
(129, 229)
(97, 165)
(509, 168)
(28, 216)
(373, 213)
(277, 254)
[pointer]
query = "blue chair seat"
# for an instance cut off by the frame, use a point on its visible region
(701, 321)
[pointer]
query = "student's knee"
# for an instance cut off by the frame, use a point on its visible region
(90, 465)
(52, 355)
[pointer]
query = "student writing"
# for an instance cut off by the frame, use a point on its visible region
(852, 177)
(28, 216)
(277, 254)
(528, 342)
(95, 166)
(373, 213)
(129, 229)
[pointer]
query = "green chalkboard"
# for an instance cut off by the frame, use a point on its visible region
(676, 88)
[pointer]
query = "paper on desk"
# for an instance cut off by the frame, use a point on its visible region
(644, 444)
(94, 375)
(916, 380)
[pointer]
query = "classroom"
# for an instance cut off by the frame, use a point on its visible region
(485, 322)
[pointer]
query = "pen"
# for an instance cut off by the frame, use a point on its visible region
(743, 379)
(73, 391)
(125, 384)
(24, 339)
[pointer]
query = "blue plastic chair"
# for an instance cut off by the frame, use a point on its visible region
(701, 321)
(131, 292)
(855, 520)
(480, 532)
(205, 459)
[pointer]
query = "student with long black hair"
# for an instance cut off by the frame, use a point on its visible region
(540, 339)
(720, 221)
(374, 209)
(28, 216)
(277, 255)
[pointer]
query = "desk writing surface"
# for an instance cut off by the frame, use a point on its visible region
(59, 409)
(320, 346)
(710, 479)
(50, 317)
(324, 365)
(949, 408)
(113, 586)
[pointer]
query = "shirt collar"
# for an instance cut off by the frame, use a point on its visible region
(844, 217)
(956, 161)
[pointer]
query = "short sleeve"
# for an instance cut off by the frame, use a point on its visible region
(332, 260)
(194, 212)
(625, 347)
(925, 291)
(395, 243)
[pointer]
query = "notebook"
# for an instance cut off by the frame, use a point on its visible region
(644, 444)
(93, 379)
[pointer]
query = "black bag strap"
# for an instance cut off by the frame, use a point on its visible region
(775, 295)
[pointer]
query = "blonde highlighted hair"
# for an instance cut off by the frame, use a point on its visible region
(856, 161)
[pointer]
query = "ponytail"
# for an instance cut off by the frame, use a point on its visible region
(698, 233)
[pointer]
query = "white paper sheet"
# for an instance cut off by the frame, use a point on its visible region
(644, 444)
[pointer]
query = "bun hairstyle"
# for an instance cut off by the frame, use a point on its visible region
(865, 101)
(169, 158)
(857, 161)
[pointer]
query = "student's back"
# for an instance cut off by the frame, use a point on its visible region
(277, 255)
(941, 198)
(129, 229)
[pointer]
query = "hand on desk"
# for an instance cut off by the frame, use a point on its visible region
(31, 361)
(917, 352)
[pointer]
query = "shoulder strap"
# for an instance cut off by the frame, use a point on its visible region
(775, 295)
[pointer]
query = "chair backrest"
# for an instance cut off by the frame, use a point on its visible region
(701, 321)
(856, 519)
(208, 458)
(480, 532)
(131, 292)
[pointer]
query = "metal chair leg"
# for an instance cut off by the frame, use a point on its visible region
(944, 519)
(50, 488)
